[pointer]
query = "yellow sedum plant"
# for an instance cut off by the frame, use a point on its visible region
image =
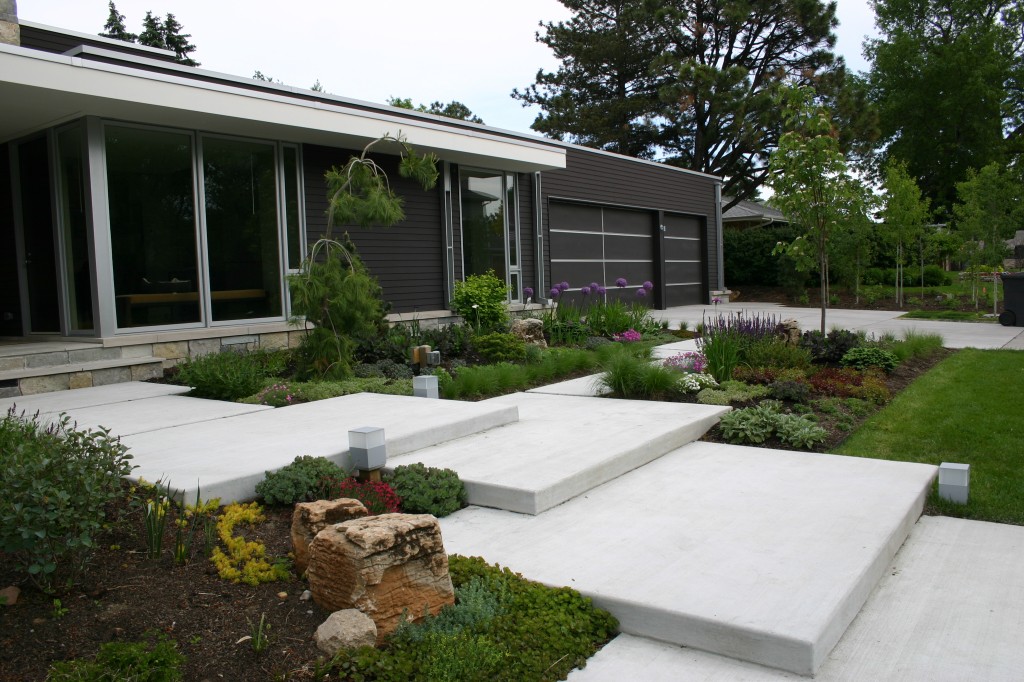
(243, 561)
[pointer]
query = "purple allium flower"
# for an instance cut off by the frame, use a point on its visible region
(555, 291)
(528, 292)
(563, 286)
(585, 291)
(621, 282)
(594, 286)
(601, 291)
(648, 285)
(641, 292)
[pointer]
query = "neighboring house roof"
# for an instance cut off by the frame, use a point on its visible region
(751, 213)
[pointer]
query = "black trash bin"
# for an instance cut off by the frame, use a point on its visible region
(1013, 300)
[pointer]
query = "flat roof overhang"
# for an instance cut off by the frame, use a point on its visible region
(39, 90)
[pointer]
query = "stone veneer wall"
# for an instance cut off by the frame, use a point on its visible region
(10, 31)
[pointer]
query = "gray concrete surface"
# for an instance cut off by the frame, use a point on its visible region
(877, 322)
(762, 555)
(63, 401)
(562, 446)
(227, 457)
(947, 610)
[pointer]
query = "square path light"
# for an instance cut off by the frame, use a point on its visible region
(367, 448)
(954, 481)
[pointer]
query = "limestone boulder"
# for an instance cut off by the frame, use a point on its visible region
(309, 518)
(346, 629)
(790, 331)
(530, 330)
(382, 565)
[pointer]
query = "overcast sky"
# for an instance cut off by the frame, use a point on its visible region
(475, 51)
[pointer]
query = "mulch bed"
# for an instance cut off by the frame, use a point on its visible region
(125, 595)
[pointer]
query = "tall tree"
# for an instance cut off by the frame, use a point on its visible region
(690, 82)
(115, 27)
(177, 41)
(152, 32)
(453, 109)
(943, 75)
(812, 184)
(906, 215)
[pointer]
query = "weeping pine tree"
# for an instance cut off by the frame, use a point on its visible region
(333, 290)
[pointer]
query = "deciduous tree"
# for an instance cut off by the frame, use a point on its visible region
(905, 215)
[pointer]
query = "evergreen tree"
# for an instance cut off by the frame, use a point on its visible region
(453, 109)
(689, 81)
(177, 41)
(115, 27)
(152, 32)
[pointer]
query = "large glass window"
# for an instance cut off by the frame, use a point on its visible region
(74, 226)
(292, 207)
(240, 186)
(489, 225)
(151, 197)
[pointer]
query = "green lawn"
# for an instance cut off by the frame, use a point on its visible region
(968, 409)
(949, 315)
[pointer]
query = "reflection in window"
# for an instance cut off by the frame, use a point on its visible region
(483, 222)
(77, 265)
(152, 226)
(240, 183)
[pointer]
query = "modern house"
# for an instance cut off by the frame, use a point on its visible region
(155, 210)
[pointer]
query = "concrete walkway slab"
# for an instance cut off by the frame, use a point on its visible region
(227, 457)
(761, 555)
(948, 610)
(587, 386)
(64, 401)
(562, 446)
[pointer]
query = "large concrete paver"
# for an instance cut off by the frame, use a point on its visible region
(64, 401)
(227, 457)
(948, 610)
(562, 446)
(762, 555)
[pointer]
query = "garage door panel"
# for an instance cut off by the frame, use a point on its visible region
(576, 245)
(683, 273)
(576, 274)
(628, 248)
(628, 222)
(575, 217)
(682, 226)
(682, 249)
(635, 273)
(683, 295)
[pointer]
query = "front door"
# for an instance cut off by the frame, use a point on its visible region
(37, 230)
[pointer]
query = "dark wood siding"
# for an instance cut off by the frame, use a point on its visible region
(611, 181)
(9, 301)
(407, 259)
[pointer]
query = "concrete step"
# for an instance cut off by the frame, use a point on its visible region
(112, 394)
(562, 446)
(760, 555)
(78, 374)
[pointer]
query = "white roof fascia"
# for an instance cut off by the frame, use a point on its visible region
(114, 90)
(92, 36)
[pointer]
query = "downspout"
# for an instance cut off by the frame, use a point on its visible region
(538, 221)
(718, 230)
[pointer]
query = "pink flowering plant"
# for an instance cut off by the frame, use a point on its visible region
(690, 361)
(628, 336)
(277, 395)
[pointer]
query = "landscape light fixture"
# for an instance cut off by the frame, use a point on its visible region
(954, 481)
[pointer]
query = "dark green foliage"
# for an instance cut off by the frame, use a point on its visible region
(776, 353)
(453, 109)
(56, 482)
(635, 377)
(595, 342)
(481, 300)
(427, 490)
(867, 356)
(300, 481)
(115, 27)
(793, 391)
(127, 661)
(755, 425)
(748, 258)
(829, 349)
(228, 375)
(487, 380)
(934, 276)
(500, 347)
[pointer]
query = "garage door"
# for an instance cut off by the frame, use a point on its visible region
(601, 244)
(684, 260)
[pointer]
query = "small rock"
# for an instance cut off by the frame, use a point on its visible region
(282, 595)
(9, 595)
(306, 595)
(346, 629)
(38, 621)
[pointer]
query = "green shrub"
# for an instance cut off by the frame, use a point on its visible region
(793, 391)
(390, 369)
(228, 375)
(427, 490)
(595, 342)
(487, 380)
(367, 370)
(309, 391)
(776, 353)
(634, 377)
(755, 425)
(500, 347)
(481, 300)
(128, 661)
(57, 482)
(829, 349)
(865, 357)
(729, 392)
(300, 481)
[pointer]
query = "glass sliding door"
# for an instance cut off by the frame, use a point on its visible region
(242, 235)
(490, 234)
(151, 198)
(71, 205)
(34, 200)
